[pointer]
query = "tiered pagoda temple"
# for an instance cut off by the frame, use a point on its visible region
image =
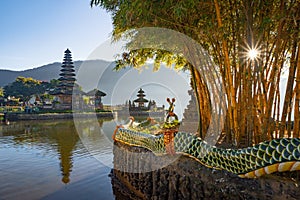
(68, 94)
(67, 79)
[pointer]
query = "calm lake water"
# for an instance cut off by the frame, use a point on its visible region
(50, 160)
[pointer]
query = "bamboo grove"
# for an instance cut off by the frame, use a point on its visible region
(228, 30)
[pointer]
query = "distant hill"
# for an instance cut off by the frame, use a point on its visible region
(45, 73)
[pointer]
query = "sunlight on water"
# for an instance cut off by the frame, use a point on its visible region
(47, 160)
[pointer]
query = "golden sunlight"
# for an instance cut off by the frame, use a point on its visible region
(252, 54)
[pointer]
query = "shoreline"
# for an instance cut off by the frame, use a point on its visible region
(53, 116)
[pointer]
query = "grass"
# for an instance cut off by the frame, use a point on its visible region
(11, 109)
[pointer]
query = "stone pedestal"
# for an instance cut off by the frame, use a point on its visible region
(185, 178)
(169, 140)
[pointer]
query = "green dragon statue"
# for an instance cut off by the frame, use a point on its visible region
(264, 158)
(277, 155)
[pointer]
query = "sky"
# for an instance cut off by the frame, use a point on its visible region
(37, 32)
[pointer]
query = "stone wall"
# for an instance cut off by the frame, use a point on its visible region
(54, 116)
(185, 178)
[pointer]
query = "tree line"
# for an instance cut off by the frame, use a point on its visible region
(23, 88)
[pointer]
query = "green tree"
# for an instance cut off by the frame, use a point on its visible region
(1, 92)
(25, 87)
(54, 83)
(227, 30)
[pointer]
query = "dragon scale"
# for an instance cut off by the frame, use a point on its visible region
(264, 158)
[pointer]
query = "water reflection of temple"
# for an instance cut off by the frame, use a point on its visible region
(66, 139)
(58, 136)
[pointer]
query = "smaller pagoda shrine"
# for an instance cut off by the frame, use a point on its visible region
(142, 106)
(140, 101)
(96, 98)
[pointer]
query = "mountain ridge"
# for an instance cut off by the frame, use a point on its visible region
(43, 73)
